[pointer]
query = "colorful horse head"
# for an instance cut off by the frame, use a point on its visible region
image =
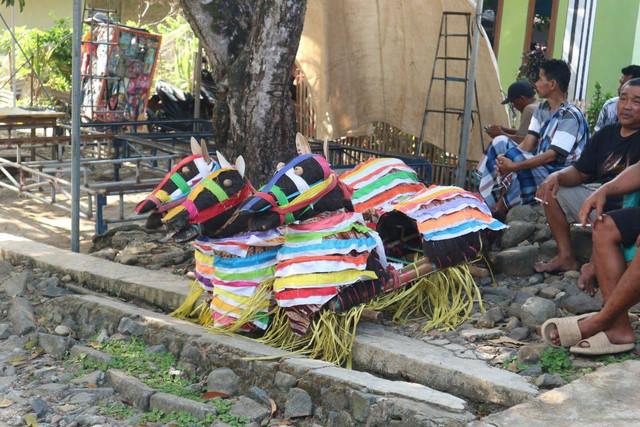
(178, 183)
(299, 190)
(214, 202)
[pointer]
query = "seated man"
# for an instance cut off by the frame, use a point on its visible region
(609, 112)
(523, 97)
(609, 330)
(558, 132)
(607, 154)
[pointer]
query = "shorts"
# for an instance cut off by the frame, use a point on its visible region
(628, 222)
(572, 198)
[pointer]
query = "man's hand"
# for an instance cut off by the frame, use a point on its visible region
(596, 201)
(504, 165)
(548, 189)
(494, 130)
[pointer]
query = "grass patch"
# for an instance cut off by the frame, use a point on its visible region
(157, 370)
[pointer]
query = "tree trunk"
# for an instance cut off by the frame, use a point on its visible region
(252, 47)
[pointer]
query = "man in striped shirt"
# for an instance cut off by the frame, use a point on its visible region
(558, 132)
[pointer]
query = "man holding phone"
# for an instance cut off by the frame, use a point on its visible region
(522, 95)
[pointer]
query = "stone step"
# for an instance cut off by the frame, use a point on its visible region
(376, 349)
(163, 290)
(602, 398)
(386, 353)
(325, 383)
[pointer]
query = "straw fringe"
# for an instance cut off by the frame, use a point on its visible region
(254, 306)
(445, 297)
(186, 309)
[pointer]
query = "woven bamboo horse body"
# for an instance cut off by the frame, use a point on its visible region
(327, 249)
(329, 309)
(230, 263)
(177, 184)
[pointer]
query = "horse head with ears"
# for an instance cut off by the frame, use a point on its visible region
(214, 202)
(177, 184)
(301, 189)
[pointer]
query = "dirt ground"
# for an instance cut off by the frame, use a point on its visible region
(35, 220)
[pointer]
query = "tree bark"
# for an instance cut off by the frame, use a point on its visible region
(251, 46)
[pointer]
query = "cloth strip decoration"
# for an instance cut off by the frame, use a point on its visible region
(232, 269)
(447, 219)
(227, 202)
(165, 201)
(283, 205)
(319, 257)
(381, 183)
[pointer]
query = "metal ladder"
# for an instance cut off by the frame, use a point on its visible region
(89, 78)
(447, 57)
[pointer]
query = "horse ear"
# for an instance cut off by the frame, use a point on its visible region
(240, 165)
(195, 147)
(325, 147)
(302, 145)
(205, 152)
(224, 163)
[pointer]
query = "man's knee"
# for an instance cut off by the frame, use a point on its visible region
(606, 231)
(500, 139)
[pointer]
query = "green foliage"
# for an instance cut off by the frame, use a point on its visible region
(594, 108)
(116, 410)
(8, 3)
(181, 418)
(531, 68)
(554, 360)
(156, 370)
(177, 64)
(48, 50)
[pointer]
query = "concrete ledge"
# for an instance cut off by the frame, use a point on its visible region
(132, 388)
(383, 352)
(91, 353)
(157, 288)
(172, 403)
(602, 398)
(198, 346)
(411, 391)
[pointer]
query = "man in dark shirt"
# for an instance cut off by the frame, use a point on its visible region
(606, 155)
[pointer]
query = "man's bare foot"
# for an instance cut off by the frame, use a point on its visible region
(587, 280)
(556, 265)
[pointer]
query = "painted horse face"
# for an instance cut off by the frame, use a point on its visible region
(177, 184)
(299, 190)
(212, 202)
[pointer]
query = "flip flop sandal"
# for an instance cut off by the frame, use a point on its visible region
(599, 345)
(567, 327)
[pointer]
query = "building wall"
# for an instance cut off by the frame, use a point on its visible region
(37, 13)
(613, 48)
(514, 21)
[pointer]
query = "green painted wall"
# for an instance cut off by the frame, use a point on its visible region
(613, 48)
(636, 44)
(561, 23)
(514, 20)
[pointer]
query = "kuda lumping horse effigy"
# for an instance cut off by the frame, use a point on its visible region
(303, 256)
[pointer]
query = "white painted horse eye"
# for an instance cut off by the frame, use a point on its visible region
(227, 183)
(298, 170)
(185, 169)
(280, 165)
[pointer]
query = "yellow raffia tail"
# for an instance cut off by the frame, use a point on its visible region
(445, 297)
(253, 309)
(185, 310)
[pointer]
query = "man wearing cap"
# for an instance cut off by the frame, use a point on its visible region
(523, 97)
